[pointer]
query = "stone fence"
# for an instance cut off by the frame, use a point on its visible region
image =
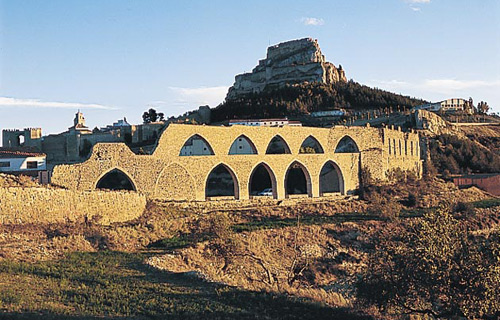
(44, 205)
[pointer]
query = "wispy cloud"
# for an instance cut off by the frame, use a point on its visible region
(181, 99)
(8, 102)
(414, 4)
(308, 21)
(453, 85)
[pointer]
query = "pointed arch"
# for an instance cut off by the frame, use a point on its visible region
(277, 145)
(196, 145)
(242, 145)
(347, 145)
(297, 180)
(331, 179)
(262, 179)
(311, 145)
(222, 182)
(115, 179)
(174, 182)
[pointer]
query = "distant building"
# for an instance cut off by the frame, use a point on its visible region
(265, 122)
(448, 105)
(118, 125)
(16, 161)
(74, 144)
(329, 113)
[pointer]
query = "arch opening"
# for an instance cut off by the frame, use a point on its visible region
(196, 146)
(115, 180)
(277, 146)
(262, 182)
(297, 180)
(347, 145)
(330, 179)
(242, 145)
(221, 182)
(311, 145)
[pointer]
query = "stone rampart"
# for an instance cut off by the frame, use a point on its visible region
(44, 205)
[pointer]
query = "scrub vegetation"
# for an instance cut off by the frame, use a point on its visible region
(328, 259)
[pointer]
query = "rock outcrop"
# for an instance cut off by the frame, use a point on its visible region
(433, 124)
(296, 61)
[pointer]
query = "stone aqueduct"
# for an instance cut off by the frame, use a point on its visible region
(329, 164)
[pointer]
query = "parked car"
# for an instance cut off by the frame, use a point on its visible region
(266, 192)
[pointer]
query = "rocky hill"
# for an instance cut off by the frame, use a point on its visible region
(296, 61)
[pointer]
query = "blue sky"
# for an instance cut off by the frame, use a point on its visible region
(116, 58)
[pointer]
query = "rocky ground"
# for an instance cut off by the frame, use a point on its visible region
(313, 250)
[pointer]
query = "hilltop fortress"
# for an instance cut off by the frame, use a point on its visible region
(193, 162)
(296, 61)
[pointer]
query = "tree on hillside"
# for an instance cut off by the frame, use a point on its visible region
(483, 107)
(152, 116)
(434, 266)
(302, 99)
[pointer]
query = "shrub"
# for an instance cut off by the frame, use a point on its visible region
(412, 200)
(466, 209)
(385, 207)
(433, 266)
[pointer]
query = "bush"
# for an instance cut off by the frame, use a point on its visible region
(434, 266)
(412, 200)
(385, 207)
(465, 209)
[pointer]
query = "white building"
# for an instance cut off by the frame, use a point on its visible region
(22, 162)
(265, 122)
(448, 105)
(116, 125)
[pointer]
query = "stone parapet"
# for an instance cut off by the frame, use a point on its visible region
(44, 205)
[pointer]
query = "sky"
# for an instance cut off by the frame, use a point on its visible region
(117, 58)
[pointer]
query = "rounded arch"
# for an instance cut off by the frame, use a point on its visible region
(277, 145)
(115, 179)
(242, 145)
(196, 145)
(222, 182)
(347, 145)
(331, 179)
(262, 178)
(311, 145)
(297, 180)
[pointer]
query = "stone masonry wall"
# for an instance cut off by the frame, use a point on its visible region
(43, 205)
(166, 175)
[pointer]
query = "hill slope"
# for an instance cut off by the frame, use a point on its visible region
(301, 99)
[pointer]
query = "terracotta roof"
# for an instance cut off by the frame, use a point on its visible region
(19, 154)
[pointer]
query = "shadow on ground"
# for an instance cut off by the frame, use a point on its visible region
(116, 285)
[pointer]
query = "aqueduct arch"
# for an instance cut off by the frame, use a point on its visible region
(262, 178)
(115, 179)
(331, 179)
(347, 145)
(297, 180)
(222, 182)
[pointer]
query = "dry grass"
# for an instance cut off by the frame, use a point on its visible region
(323, 261)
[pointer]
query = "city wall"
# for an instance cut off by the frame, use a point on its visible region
(44, 205)
(168, 176)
